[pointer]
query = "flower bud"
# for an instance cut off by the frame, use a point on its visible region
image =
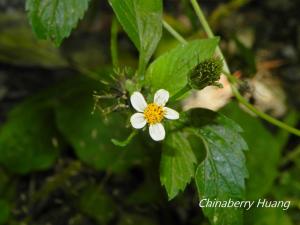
(206, 73)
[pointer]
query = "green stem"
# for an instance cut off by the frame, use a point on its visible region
(126, 141)
(174, 33)
(208, 30)
(180, 93)
(114, 42)
(202, 18)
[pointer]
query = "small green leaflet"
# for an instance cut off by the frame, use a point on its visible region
(177, 165)
(55, 19)
(222, 174)
(170, 70)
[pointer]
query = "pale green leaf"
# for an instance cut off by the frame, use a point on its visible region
(170, 70)
(177, 166)
(55, 19)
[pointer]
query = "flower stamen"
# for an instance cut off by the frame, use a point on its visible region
(154, 113)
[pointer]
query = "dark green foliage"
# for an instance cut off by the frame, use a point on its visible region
(29, 141)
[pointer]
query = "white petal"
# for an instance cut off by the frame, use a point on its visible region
(138, 101)
(157, 132)
(138, 120)
(171, 114)
(161, 97)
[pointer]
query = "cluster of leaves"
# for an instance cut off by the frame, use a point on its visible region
(204, 146)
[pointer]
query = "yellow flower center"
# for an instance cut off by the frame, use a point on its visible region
(154, 113)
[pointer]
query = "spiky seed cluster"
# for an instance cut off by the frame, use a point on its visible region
(206, 73)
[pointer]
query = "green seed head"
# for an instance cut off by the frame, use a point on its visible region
(206, 73)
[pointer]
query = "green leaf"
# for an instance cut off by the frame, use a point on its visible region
(55, 19)
(222, 174)
(262, 146)
(170, 70)
(91, 134)
(142, 20)
(28, 140)
(98, 205)
(177, 166)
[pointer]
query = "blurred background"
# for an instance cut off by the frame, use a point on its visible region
(52, 170)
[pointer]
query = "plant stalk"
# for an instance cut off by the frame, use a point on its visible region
(174, 33)
(180, 93)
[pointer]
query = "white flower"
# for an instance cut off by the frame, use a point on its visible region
(152, 113)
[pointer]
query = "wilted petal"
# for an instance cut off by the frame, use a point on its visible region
(171, 114)
(138, 101)
(138, 120)
(157, 132)
(161, 97)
